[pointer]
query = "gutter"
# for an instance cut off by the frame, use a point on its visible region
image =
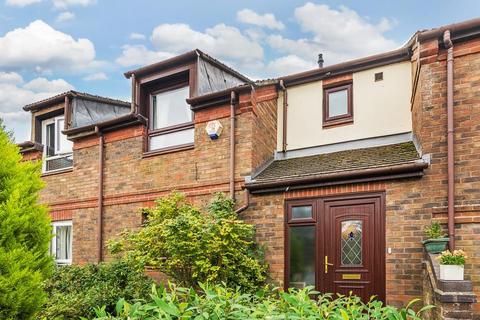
(101, 125)
(412, 169)
(28, 146)
(459, 30)
(402, 54)
(216, 98)
(450, 141)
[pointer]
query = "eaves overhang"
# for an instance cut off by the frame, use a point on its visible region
(397, 171)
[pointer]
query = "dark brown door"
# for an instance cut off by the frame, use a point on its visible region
(338, 244)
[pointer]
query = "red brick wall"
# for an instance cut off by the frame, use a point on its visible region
(430, 127)
(132, 181)
(411, 204)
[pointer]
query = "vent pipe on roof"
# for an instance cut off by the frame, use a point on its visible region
(320, 60)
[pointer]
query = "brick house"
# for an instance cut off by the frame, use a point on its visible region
(339, 168)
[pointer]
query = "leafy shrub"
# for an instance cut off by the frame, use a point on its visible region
(25, 234)
(74, 291)
(434, 231)
(191, 246)
(218, 302)
(457, 257)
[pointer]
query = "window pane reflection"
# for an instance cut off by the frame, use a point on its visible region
(302, 256)
(303, 212)
(338, 103)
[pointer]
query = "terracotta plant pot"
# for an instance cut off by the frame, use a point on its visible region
(436, 245)
(451, 272)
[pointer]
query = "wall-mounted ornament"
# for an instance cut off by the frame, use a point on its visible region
(214, 129)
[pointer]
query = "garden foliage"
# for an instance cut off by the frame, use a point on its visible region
(218, 302)
(74, 291)
(191, 246)
(25, 234)
(457, 257)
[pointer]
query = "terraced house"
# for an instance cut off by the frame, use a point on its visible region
(339, 168)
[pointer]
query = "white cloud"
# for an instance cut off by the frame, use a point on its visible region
(21, 3)
(65, 16)
(266, 20)
(63, 4)
(134, 55)
(288, 65)
(10, 77)
(137, 36)
(41, 84)
(96, 76)
(339, 34)
(222, 41)
(47, 49)
(15, 94)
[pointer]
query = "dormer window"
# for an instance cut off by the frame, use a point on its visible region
(337, 105)
(57, 150)
(171, 120)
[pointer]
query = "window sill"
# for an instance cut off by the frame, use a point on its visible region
(54, 172)
(337, 123)
(173, 149)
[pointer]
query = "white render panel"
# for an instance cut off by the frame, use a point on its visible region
(380, 108)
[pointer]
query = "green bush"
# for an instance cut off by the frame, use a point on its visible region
(25, 234)
(434, 231)
(74, 291)
(218, 302)
(191, 246)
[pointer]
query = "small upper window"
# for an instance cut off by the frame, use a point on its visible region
(57, 151)
(171, 120)
(337, 105)
(61, 245)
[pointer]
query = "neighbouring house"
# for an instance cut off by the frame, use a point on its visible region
(339, 168)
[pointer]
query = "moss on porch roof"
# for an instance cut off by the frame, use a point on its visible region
(365, 158)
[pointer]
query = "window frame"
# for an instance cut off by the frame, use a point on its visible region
(305, 222)
(58, 153)
(53, 243)
(169, 129)
(343, 118)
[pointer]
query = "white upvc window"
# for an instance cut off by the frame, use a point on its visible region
(57, 149)
(61, 245)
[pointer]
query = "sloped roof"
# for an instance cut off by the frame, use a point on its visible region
(329, 164)
(60, 97)
(187, 56)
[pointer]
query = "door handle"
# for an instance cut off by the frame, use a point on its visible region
(327, 264)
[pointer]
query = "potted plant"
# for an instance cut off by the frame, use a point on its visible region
(437, 240)
(452, 265)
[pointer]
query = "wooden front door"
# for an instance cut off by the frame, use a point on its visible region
(337, 244)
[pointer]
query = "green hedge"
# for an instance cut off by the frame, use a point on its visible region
(74, 291)
(218, 302)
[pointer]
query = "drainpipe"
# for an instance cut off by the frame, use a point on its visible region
(246, 201)
(284, 116)
(101, 146)
(450, 141)
(232, 144)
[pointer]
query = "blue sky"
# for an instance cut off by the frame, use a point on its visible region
(50, 46)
